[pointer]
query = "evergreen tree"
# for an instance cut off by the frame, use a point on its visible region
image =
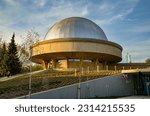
(13, 63)
(3, 60)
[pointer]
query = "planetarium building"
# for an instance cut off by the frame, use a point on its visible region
(75, 42)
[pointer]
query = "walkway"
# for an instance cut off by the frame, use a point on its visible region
(135, 97)
(18, 75)
(136, 70)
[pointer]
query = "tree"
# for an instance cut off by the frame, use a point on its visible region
(3, 60)
(1, 73)
(31, 37)
(147, 60)
(13, 62)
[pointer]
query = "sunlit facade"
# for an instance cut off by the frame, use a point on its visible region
(75, 43)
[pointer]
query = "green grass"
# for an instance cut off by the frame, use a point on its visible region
(20, 86)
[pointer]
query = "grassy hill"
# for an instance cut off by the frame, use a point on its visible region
(47, 80)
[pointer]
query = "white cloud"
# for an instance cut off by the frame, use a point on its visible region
(141, 28)
(67, 9)
(10, 2)
(41, 21)
(111, 12)
(40, 3)
(106, 7)
(139, 50)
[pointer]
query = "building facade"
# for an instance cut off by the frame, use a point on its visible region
(75, 43)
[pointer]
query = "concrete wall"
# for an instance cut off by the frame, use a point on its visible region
(76, 45)
(66, 48)
(109, 86)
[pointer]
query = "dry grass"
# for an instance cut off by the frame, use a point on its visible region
(44, 81)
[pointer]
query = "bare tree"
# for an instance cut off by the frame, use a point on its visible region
(31, 37)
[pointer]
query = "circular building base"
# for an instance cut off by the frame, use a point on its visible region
(68, 53)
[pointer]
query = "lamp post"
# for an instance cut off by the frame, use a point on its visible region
(87, 88)
(79, 89)
(30, 84)
(30, 74)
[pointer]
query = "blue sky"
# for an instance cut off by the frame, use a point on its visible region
(126, 22)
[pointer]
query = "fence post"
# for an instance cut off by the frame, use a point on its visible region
(115, 67)
(123, 67)
(88, 69)
(82, 70)
(75, 72)
(106, 67)
(97, 68)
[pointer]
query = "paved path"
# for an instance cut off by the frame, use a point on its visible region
(18, 75)
(135, 97)
(136, 70)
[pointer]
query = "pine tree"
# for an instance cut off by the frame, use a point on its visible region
(13, 63)
(1, 71)
(3, 60)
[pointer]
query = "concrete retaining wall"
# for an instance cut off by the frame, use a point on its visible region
(103, 87)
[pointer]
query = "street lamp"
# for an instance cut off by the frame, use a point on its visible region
(30, 74)
(79, 87)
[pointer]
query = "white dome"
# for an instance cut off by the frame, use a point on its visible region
(75, 27)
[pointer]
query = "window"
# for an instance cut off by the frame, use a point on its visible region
(87, 61)
(74, 60)
(60, 60)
